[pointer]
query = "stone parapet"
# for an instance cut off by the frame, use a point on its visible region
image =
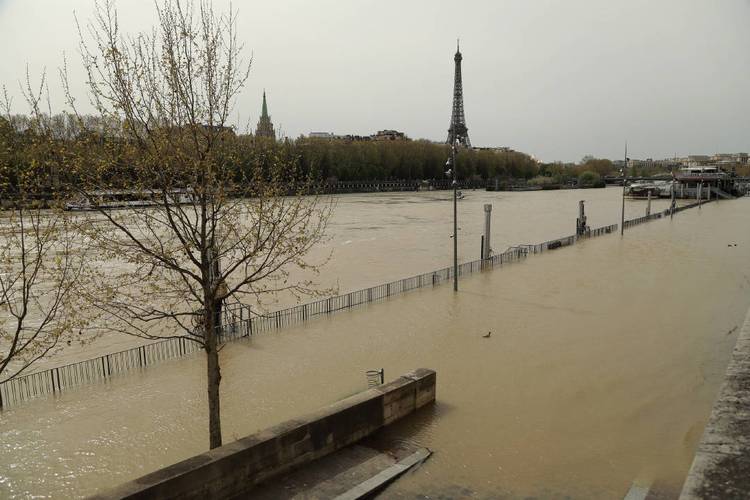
(235, 468)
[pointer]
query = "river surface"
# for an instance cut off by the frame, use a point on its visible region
(601, 369)
(377, 238)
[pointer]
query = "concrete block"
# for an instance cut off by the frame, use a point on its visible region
(235, 468)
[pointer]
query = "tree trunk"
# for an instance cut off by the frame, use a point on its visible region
(214, 379)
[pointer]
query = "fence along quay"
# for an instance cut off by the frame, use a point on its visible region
(238, 321)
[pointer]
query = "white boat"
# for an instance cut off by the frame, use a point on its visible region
(643, 188)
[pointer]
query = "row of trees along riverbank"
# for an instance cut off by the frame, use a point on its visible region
(324, 161)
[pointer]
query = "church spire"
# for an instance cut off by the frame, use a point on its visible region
(265, 127)
(264, 113)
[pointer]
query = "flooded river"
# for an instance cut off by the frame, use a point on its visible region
(600, 371)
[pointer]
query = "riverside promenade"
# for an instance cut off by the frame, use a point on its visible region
(721, 467)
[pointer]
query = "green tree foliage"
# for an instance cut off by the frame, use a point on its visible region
(323, 159)
(346, 160)
(600, 166)
(589, 178)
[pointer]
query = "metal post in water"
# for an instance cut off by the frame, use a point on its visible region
(699, 193)
(624, 183)
(648, 206)
(581, 227)
(451, 172)
(486, 248)
(674, 202)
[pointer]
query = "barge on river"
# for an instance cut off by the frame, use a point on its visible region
(129, 198)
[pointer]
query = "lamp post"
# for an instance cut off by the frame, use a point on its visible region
(451, 172)
(624, 183)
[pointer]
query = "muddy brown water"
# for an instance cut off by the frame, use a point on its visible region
(600, 371)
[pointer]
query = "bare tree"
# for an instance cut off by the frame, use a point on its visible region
(224, 222)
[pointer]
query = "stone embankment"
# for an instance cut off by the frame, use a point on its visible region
(236, 468)
(721, 467)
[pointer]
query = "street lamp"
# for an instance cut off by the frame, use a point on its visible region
(624, 183)
(451, 172)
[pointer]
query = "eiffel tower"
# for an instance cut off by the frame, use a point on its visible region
(458, 129)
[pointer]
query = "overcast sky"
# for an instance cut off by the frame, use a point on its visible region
(557, 79)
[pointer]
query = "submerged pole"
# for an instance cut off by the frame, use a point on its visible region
(624, 183)
(648, 205)
(581, 227)
(486, 248)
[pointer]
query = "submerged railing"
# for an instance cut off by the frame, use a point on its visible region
(239, 322)
(663, 213)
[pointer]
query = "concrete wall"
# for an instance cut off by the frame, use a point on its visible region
(236, 467)
(721, 467)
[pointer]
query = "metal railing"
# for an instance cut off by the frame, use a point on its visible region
(238, 321)
(659, 215)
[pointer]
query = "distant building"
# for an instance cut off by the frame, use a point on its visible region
(382, 135)
(355, 138)
(322, 135)
(496, 149)
(697, 160)
(730, 158)
(265, 127)
(388, 135)
(723, 160)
